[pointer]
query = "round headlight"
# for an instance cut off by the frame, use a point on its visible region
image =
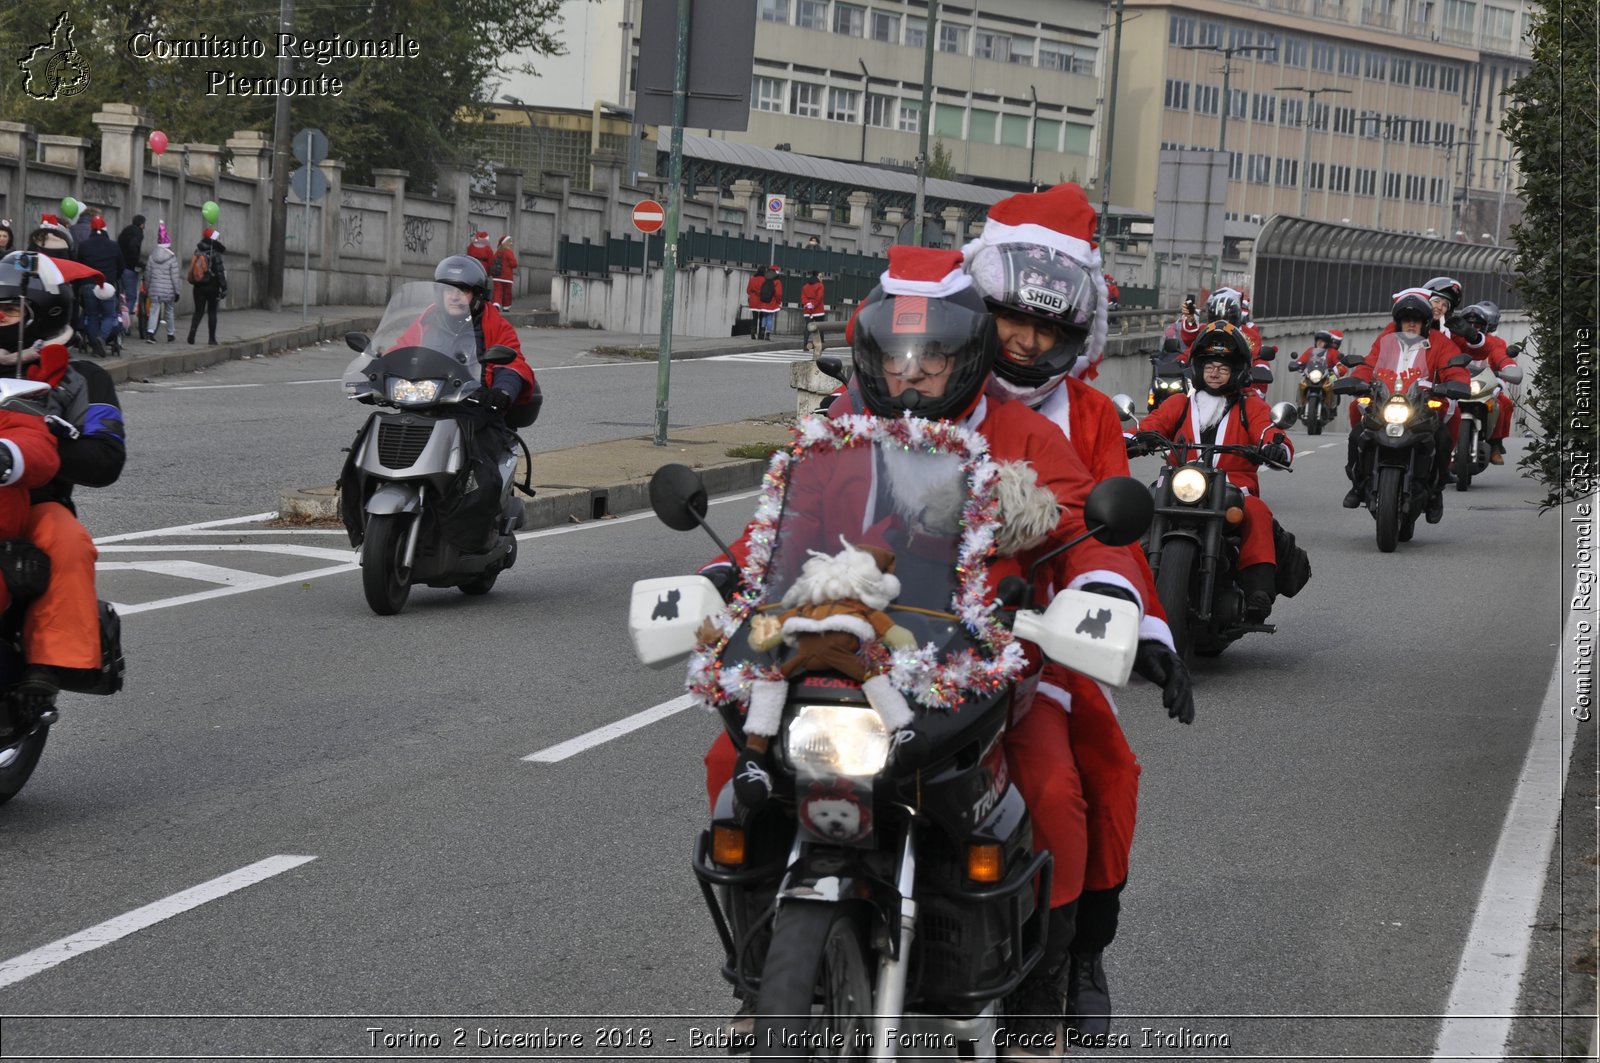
(1477, 387)
(1189, 485)
(1396, 411)
(1315, 376)
(825, 740)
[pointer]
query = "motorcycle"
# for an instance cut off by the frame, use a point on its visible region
(1481, 411)
(1396, 438)
(1318, 404)
(886, 895)
(25, 725)
(426, 497)
(1168, 375)
(1193, 542)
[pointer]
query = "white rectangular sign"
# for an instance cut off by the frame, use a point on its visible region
(776, 207)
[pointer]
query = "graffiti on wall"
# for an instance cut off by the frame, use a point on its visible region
(419, 235)
(352, 229)
(495, 208)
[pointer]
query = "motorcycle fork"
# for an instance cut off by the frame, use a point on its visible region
(894, 966)
(1211, 545)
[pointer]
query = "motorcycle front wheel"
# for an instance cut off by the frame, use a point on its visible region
(1313, 416)
(1172, 587)
(816, 988)
(19, 755)
(385, 578)
(1466, 453)
(1388, 508)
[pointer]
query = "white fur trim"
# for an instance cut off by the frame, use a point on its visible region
(767, 698)
(955, 281)
(1101, 575)
(18, 465)
(1156, 629)
(104, 291)
(1028, 512)
(890, 703)
(1056, 694)
(802, 625)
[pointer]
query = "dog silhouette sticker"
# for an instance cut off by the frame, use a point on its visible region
(667, 608)
(1094, 624)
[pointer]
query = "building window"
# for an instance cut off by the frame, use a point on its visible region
(916, 32)
(1422, 13)
(1317, 114)
(1180, 30)
(811, 14)
(1238, 100)
(1239, 37)
(1400, 71)
(1263, 108)
(1391, 186)
(1075, 139)
(1207, 99)
(1314, 175)
(1073, 60)
(1338, 178)
(1022, 51)
(981, 126)
(844, 105)
(885, 27)
(1444, 132)
(1435, 190)
(1014, 130)
(908, 121)
(1321, 56)
(1177, 98)
(988, 45)
(1460, 15)
(766, 94)
(1344, 120)
(1366, 182)
(1260, 169)
(1294, 51)
(1288, 173)
(1377, 65)
(1418, 130)
(880, 110)
(952, 38)
(1210, 34)
(805, 100)
(1047, 134)
(849, 21)
(775, 10)
(1270, 41)
(949, 120)
(1292, 111)
(1449, 78)
(1350, 62)
(1427, 73)
(1236, 166)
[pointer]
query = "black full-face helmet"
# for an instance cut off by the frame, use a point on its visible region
(1415, 307)
(1221, 341)
(1225, 304)
(466, 273)
(921, 340)
(1048, 286)
(32, 284)
(1484, 316)
(1446, 288)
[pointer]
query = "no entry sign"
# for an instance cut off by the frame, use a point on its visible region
(649, 216)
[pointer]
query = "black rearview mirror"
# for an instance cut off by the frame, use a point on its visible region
(356, 341)
(831, 365)
(1118, 510)
(499, 354)
(678, 496)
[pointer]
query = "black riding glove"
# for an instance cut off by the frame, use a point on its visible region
(1277, 453)
(725, 578)
(496, 400)
(1165, 669)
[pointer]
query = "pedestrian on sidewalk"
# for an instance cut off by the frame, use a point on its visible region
(210, 281)
(131, 241)
(161, 280)
(102, 253)
(765, 293)
(504, 273)
(478, 248)
(7, 237)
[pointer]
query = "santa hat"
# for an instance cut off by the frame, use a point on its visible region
(1063, 220)
(1425, 293)
(925, 271)
(505, 241)
(208, 233)
(97, 223)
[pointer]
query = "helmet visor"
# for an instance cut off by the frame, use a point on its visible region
(1044, 285)
(924, 355)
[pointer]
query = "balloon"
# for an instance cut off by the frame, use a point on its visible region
(70, 208)
(158, 142)
(210, 212)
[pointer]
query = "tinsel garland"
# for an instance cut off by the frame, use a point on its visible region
(918, 672)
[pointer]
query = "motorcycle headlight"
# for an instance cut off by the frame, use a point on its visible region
(1169, 385)
(1396, 411)
(1189, 485)
(1478, 388)
(825, 740)
(1315, 376)
(407, 392)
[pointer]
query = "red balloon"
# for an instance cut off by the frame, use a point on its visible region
(158, 142)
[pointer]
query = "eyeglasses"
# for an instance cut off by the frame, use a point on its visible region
(932, 362)
(10, 311)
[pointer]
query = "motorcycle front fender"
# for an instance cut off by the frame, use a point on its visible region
(395, 498)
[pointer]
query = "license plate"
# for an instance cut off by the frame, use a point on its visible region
(1394, 430)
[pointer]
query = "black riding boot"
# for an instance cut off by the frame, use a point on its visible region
(1259, 583)
(1088, 995)
(1037, 1006)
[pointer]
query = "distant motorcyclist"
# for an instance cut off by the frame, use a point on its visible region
(1326, 340)
(1485, 317)
(464, 311)
(1221, 411)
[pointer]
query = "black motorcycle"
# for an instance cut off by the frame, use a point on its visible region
(1318, 403)
(427, 492)
(1193, 542)
(1168, 374)
(889, 883)
(1396, 440)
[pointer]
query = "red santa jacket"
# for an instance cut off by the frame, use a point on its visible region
(811, 299)
(493, 331)
(752, 292)
(1437, 333)
(1493, 352)
(1399, 369)
(1246, 421)
(505, 264)
(34, 463)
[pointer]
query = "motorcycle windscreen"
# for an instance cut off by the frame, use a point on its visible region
(1402, 362)
(421, 314)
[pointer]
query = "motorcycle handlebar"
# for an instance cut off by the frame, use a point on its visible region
(1252, 451)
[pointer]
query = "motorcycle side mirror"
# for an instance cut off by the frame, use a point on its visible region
(1118, 510)
(1460, 361)
(14, 391)
(1013, 592)
(1351, 359)
(1268, 354)
(356, 341)
(499, 354)
(1260, 375)
(1351, 386)
(1452, 389)
(830, 365)
(1171, 346)
(1124, 406)
(1284, 415)
(678, 496)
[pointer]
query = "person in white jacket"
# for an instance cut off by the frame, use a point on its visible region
(162, 283)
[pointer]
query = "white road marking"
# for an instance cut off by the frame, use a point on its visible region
(225, 592)
(45, 957)
(763, 356)
(262, 384)
(155, 532)
(195, 570)
(573, 746)
(321, 553)
(1489, 977)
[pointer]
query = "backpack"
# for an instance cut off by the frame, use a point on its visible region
(200, 267)
(769, 288)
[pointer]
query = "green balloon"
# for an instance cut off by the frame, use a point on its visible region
(210, 212)
(70, 207)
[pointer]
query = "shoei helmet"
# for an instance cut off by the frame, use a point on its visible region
(53, 238)
(33, 284)
(1221, 341)
(1225, 304)
(1044, 285)
(1414, 305)
(1484, 315)
(466, 273)
(923, 341)
(1446, 288)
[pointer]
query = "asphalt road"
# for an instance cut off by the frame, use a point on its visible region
(1310, 852)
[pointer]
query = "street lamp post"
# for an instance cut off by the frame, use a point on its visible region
(1305, 121)
(1227, 105)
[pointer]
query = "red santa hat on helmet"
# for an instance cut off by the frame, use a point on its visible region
(1062, 219)
(925, 271)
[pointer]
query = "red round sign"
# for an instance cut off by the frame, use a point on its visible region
(649, 216)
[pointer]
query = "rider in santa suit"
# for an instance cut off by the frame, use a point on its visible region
(1040, 274)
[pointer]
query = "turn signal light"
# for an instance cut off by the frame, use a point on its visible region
(985, 863)
(1234, 515)
(1435, 404)
(727, 846)
(1364, 401)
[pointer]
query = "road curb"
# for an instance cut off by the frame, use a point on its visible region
(142, 367)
